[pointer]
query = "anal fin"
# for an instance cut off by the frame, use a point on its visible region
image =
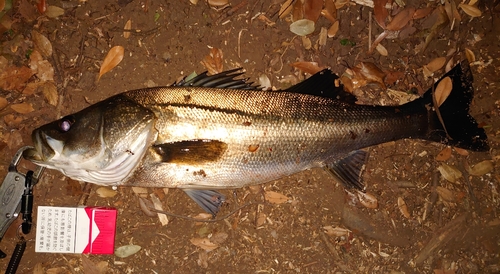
(349, 169)
(209, 200)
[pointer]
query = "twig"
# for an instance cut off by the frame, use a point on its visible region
(434, 196)
(239, 42)
(369, 29)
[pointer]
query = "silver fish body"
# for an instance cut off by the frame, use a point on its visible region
(198, 137)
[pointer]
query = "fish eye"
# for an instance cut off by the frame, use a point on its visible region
(66, 122)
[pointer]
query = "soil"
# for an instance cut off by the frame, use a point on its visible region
(458, 235)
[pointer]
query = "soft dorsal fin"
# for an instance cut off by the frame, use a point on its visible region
(322, 84)
(224, 79)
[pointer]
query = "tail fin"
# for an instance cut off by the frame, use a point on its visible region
(460, 129)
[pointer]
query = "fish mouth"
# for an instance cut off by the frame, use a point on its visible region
(42, 151)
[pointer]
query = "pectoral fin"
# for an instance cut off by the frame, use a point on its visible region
(349, 169)
(209, 200)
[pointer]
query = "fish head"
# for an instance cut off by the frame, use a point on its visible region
(101, 144)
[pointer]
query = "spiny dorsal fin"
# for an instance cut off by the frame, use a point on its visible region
(322, 84)
(224, 79)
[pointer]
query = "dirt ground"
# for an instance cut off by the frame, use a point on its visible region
(458, 233)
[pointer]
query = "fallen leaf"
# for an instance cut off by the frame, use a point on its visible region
(306, 42)
(218, 3)
(158, 206)
(471, 57)
(261, 219)
(367, 200)
(307, 67)
(127, 250)
(22, 108)
(297, 10)
(106, 192)
(41, 67)
(450, 173)
(219, 237)
(401, 19)
(213, 61)
(275, 197)
(89, 266)
(443, 90)
(481, 168)
(461, 151)
(112, 59)
(335, 231)
(445, 194)
(3, 103)
(382, 50)
(312, 9)
(441, 21)
(436, 64)
(41, 43)
(472, 11)
(370, 72)
(380, 12)
(285, 9)
(421, 13)
(444, 155)
(54, 12)
(15, 78)
(302, 27)
(403, 208)
(194, 2)
(140, 191)
(333, 29)
(50, 93)
(128, 26)
(204, 243)
(322, 36)
(330, 11)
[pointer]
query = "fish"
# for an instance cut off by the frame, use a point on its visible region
(223, 132)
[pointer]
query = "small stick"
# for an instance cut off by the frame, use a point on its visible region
(369, 29)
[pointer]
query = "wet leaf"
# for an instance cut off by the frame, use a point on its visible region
(471, 57)
(286, 8)
(380, 12)
(481, 168)
(401, 19)
(128, 26)
(382, 50)
(445, 194)
(312, 9)
(112, 59)
(275, 197)
(335, 231)
(42, 43)
(444, 155)
(443, 90)
(106, 192)
(450, 173)
(3, 103)
(307, 67)
(367, 200)
(302, 27)
(53, 11)
(22, 108)
(127, 250)
(213, 61)
(472, 11)
(50, 93)
(403, 208)
(218, 3)
(333, 29)
(204, 243)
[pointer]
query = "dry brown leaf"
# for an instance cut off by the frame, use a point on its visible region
(42, 43)
(158, 206)
(421, 13)
(367, 200)
(286, 8)
(89, 266)
(450, 173)
(3, 103)
(382, 50)
(401, 19)
(322, 36)
(297, 11)
(443, 90)
(312, 9)
(140, 191)
(380, 12)
(22, 108)
(472, 11)
(307, 67)
(15, 78)
(204, 243)
(471, 57)
(306, 42)
(335, 231)
(328, 15)
(112, 59)
(53, 11)
(370, 72)
(106, 192)
(219, 237)
(41, 67)
(436, 64)
(12, 121)
(444, 155)
(333, 29)
(50, 93)
(403, 208)
(261, 219)
(379, 39)
(445, 194)
(275, 197)
(441, 21)
(461, 151)
(194, 2)
(218, 3)
(213, 61)
(128, 26)
(481, 168)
